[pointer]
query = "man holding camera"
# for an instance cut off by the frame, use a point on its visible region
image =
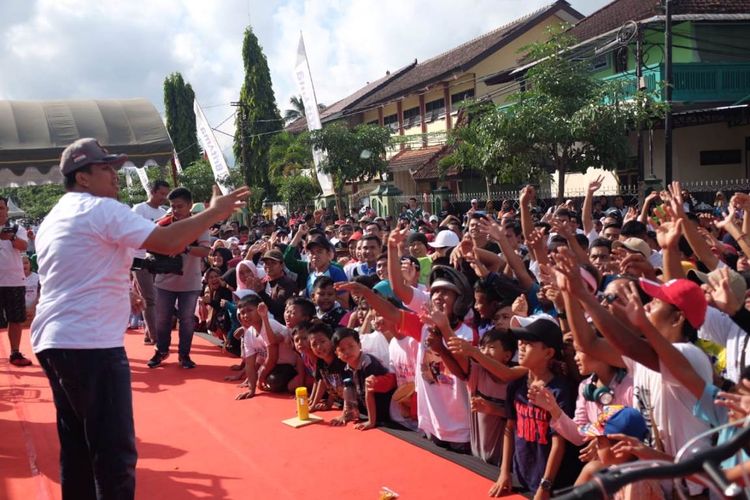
(85, 249)
(150, 209)
(13, 244)
(182, 289)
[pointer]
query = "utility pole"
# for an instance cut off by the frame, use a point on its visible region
(640, 85)
(668, 92)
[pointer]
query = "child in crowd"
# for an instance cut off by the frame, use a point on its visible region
(329, 371)
(298, 312)
(400, 355)
(443, 402)
(532, 450)
(301, 338)
(373, 382)
(324, 297)
(258, 333)
(490, 370)
(320, 252)
(417, 245)
(31, 281)
(619, 431)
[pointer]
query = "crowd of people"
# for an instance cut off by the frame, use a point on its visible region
(551, 344)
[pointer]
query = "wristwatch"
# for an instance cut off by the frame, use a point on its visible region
(546, 484)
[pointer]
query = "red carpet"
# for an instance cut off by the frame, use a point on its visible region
(195, 441)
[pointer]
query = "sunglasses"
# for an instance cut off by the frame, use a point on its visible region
(609, 297)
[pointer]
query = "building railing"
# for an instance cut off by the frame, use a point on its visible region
(702, 191)
(694, 81)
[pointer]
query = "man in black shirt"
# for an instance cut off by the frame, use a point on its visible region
(282, 286)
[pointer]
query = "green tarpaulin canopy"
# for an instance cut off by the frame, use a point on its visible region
(34, 133)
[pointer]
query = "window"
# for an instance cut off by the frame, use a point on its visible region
(411, 117)
(600, 62)
(720, 42)
(391, 121)
(460, 96)
(434, 109)
(721, 157)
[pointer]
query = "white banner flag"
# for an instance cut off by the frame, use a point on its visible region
(211, 147)
(144, 178)
(307, 91)
(128, 178)
(177, 163)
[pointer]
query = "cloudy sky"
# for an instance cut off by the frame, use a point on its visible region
(71, 49)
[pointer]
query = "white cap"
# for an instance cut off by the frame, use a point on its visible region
(445, 238)
(524, 321)
(433, 218)
(474, 200)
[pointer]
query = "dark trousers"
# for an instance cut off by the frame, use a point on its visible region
(93, 398)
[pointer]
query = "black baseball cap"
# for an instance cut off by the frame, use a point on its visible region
(319, 240)
(541, 330)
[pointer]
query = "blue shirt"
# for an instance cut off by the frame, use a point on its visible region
(713, 415)
(335, 273)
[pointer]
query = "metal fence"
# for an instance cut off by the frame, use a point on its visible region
(702, 191)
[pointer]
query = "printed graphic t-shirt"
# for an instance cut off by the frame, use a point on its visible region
(533, 432)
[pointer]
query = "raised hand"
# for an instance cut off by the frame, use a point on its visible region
(225, 205)
(720, 294)
(526, 196)
(543, 398)
(398, 237)
(520, 306)
(630, 306)
(409, 270)
(596, 184)
(263, 310)
(668, 234)
(354, 288)
(457, 345)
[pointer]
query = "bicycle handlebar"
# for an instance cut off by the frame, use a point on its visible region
(608, 481)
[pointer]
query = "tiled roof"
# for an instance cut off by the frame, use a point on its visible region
(616, 13)
(335, 109)
(461, 58)
(422, 163)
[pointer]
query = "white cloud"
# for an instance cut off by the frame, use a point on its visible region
(68, 49)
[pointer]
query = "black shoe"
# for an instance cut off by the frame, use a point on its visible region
(186, 362)
(157, 359)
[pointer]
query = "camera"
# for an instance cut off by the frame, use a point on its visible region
(9, 229)
(158, 264)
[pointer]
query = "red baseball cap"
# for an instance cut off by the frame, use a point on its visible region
(681, 293)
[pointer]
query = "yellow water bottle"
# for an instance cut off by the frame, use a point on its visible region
(303, 405)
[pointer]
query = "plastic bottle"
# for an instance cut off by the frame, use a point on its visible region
(303, 404)
(351, 406)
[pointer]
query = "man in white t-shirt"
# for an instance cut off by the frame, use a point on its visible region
(152, 210)
(85, 249)
(13, 244)
(677, 310)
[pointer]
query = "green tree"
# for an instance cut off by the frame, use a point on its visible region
(199, 179)
(36, 201)
(298, 191)
(298, 109)
(257, 116)
(289, 154)
(353, 154)
(484, 145)
(178, 107)
(566, 120)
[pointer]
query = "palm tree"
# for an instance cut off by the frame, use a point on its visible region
(298, 109)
